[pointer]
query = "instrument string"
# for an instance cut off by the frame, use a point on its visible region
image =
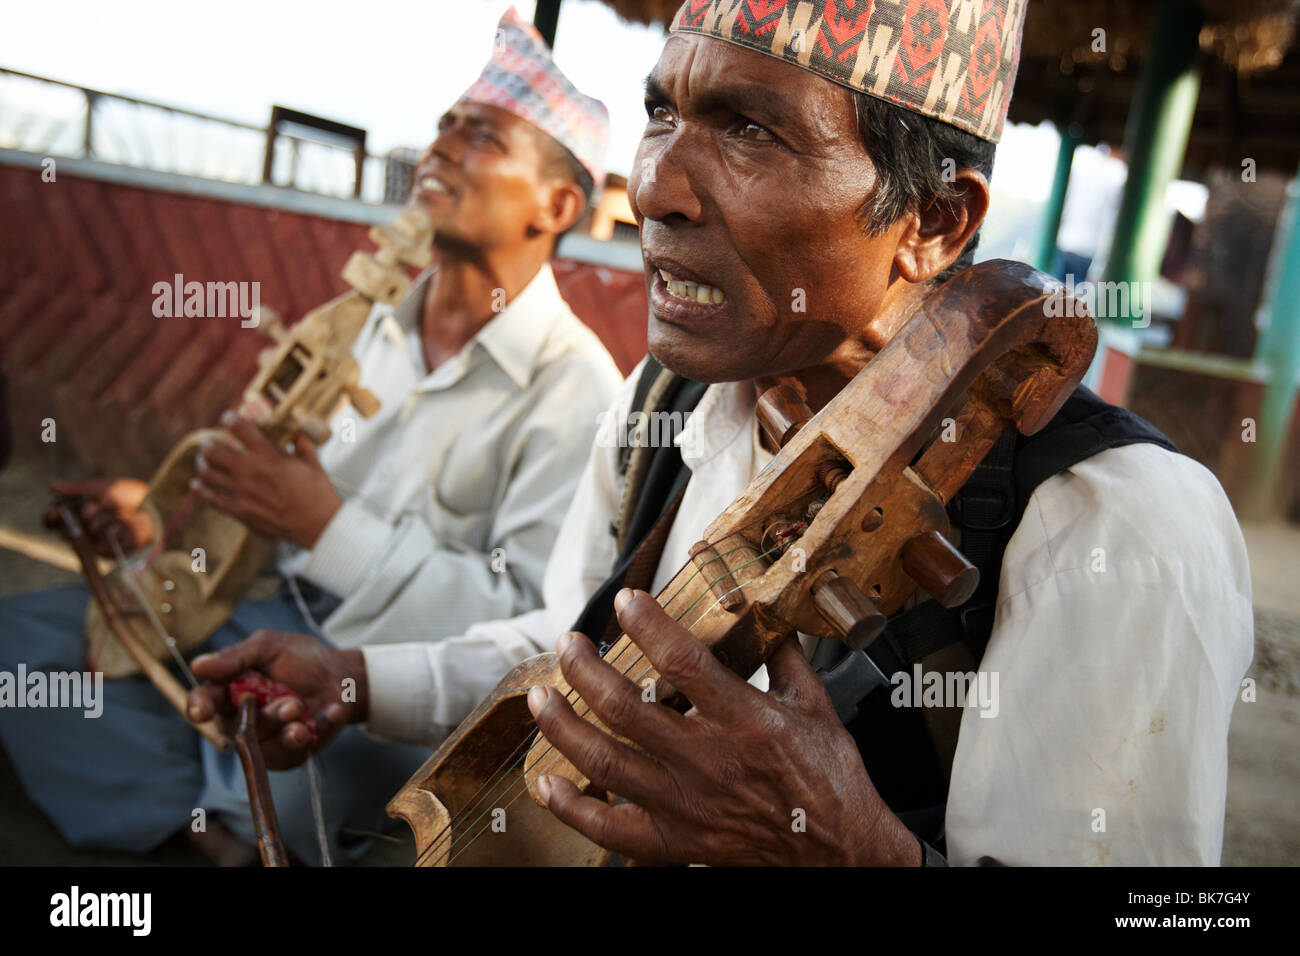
(178, 517)
(170, 642)
(318, 810)
(511, 762)
(453, 850)
(523, 780)
(491, 788)
(481, 798)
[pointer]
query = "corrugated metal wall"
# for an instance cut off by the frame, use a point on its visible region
(80, 343)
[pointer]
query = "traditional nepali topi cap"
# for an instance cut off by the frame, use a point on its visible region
(953, 60)
(522, 79)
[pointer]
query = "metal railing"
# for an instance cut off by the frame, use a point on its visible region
(54, 118)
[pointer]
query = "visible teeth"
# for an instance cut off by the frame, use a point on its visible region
(692, 291)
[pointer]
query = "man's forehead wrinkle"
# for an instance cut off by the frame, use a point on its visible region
(723, 75)
(674, 61)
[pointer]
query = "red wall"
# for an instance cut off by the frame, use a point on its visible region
(80, 344)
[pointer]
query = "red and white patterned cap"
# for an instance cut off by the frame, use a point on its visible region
(953, 60)
(522, 79)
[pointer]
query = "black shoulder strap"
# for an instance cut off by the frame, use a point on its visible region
(988, 510)
(906, 761)
(650, 457)
(656, 477)
(1084, 426)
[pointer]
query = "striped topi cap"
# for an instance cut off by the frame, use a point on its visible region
(953, 60)
(522, 79)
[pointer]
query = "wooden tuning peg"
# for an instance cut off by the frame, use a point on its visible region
(781, 412)
(362, 399)
(415, 225)
(381, 282)
(852, 614)
(397, 244)
(270, 324)
(943, 571)
(313, 426)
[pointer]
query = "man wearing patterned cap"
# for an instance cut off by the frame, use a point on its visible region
(437, 512)
(808, 172)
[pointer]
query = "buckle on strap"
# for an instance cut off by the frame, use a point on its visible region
(850, 681)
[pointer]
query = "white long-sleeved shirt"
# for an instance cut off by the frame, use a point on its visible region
(1116, 686)
(453, 492)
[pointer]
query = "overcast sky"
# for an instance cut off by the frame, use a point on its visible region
(390, 67)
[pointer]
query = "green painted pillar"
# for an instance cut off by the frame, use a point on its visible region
(1278, 349)
(1155, 141)
(1050, 227)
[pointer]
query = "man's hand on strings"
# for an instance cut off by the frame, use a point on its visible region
(744, 777)
(285, 494)
(110, 509)
(318, 674)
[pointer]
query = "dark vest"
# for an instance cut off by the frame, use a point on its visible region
(907, 751)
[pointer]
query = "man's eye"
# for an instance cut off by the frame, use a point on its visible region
(759, 134)
(658, 112)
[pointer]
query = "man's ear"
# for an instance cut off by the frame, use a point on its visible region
(936, 235)
(561, 207)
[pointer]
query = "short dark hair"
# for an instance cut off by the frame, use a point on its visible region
(908, 151)
(559, 163)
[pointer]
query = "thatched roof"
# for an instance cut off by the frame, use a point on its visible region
(1250, 75)
(644, 11)
(1248, 100)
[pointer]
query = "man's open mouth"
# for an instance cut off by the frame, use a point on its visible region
(692, 291)
(431, 184)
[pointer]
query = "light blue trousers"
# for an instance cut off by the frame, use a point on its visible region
(135, 775)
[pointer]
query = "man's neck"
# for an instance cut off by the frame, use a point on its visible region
(465, 293)
(818, 384)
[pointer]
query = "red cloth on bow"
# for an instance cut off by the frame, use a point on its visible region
(267, 690)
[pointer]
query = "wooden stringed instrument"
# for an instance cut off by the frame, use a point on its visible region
(841, 528)
(203, 560)
(166, 600)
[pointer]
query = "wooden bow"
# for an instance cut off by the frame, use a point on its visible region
(269, 842)
(835, 534)
(114, 614)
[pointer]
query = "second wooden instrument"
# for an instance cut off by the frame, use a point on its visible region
(204, 560)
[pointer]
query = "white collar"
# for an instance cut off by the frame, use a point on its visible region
(515, 338)
(724, 411)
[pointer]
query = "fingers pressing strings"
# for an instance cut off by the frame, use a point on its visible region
(459, 833)
(251, 437)
(499, 784)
